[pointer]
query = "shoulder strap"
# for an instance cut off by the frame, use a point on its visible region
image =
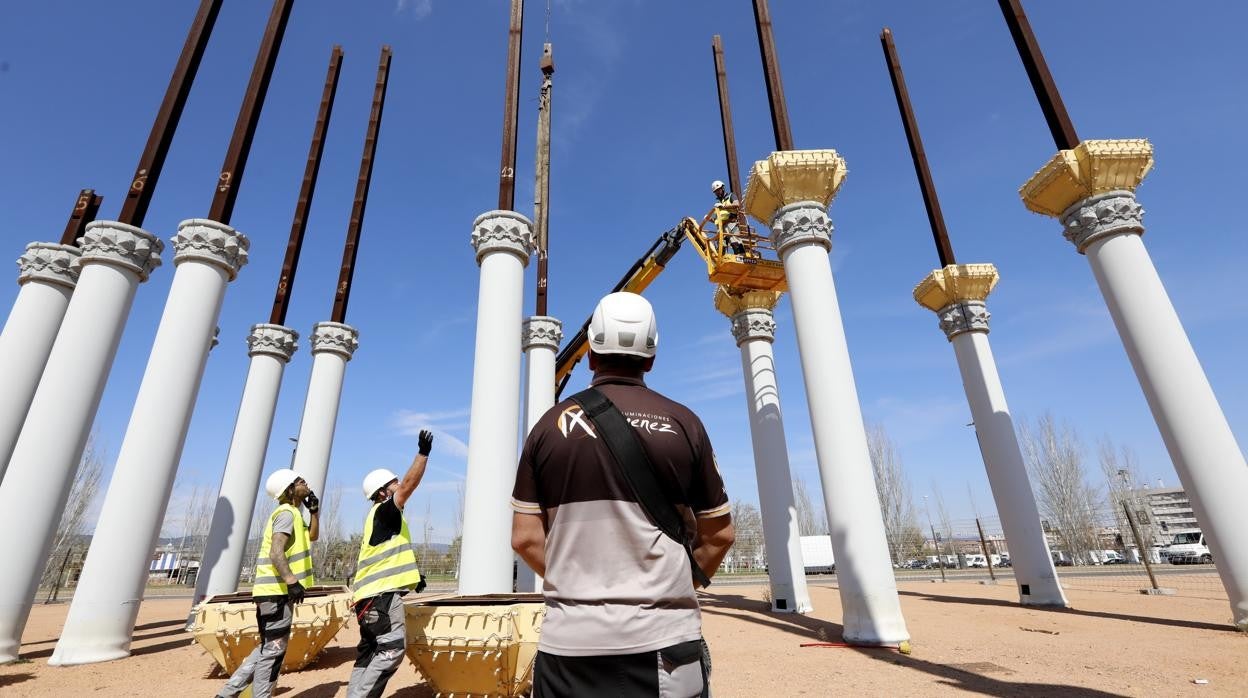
(637, 469)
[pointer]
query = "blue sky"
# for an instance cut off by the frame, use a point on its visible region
(636, 142)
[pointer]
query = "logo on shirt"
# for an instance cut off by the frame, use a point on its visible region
(650, 423)
(572, 419)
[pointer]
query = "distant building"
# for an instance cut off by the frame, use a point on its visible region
(1168, 511)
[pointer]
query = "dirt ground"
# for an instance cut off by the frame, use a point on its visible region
(967, 638)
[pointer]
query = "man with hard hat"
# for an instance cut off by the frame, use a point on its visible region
(726, 211)
(283, 571)
(620, 590)
(384, 572)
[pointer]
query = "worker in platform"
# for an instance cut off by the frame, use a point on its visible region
(620, 589)
(727, 212)
(283, 572)
(385, 571)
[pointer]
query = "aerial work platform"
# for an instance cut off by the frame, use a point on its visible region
(735, 255)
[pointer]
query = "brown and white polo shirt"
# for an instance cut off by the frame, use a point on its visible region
(615, 584)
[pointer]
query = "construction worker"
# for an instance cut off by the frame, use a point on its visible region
(385, 571)
(726, 212)
(283, 572)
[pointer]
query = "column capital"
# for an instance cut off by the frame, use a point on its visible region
(210, 242)
(804, 222)
(272, 340)
(964, 316)
(789, 176)
(541, 331)
(336, 338)
(730, 301)
(503, 231)
(50, 263)
(120, 245)
(754, 323)
(1102, 216)
(956, 283)
(1090, 168)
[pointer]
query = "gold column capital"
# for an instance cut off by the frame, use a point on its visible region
(730, 301)
(956, 283)
(1090, 168)
(789, 176)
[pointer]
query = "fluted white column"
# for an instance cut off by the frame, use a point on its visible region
(803, 237)
(503, 241)
(270, 348)
(115, 259)
(47, 273)
(754, 329)
(540, 336)
(102, 615)
(333, 345)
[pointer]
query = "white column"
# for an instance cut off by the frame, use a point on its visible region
(102, 616)
(333, 345)
(540, 336)
(503, 241)
(270, 348)
(115, 259)
(755, 329)
(47, 273)
(872, 611)
(1209, 462)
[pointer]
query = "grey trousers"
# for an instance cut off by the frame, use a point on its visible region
(383, 637)
(261, 667)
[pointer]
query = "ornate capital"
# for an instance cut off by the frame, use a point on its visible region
(967, 316)
(541, 331)
(730, 300)
(1088, 169)
(805, 222)
(1113, 213)
(754, 323)
(335, 337)
(272, 340)
(503, 231)
(121, 245)
(203, 240)
(956, 283)
(789, 176)
(50, 263)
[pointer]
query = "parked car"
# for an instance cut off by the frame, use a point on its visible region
(1188, 547)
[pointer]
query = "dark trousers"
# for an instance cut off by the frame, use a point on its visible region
(678, 671)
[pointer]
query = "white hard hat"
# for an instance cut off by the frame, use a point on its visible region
(376, 480)
(623, 323)
(279, 481)
(716, 186)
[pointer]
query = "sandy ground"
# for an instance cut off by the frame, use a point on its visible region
(967, 638)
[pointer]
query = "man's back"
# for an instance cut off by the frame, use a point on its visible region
(614, 583)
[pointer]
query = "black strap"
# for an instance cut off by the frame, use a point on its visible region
(638, 471)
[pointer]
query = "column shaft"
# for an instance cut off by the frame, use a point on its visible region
(330, 341)
(102, 615)
(116, 258)
(540, 337)
(1007, 475)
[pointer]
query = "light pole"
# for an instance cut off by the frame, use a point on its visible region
(294, 448)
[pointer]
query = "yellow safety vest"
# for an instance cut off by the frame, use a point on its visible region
(387, 566)
(269, 581)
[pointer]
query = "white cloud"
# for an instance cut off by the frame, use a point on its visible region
(418, 9)
(409, 423)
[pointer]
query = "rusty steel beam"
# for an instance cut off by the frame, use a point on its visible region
(944, 249)
(771, 73)
(290, 265)
(541, 203)
(511, 110)
(86, 206)
(152, 161)
(725, 115)
(1050, 99)
(231, 177)
(352, 247)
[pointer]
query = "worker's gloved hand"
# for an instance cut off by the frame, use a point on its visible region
(296, 592)
(425, 442)
(312, 503)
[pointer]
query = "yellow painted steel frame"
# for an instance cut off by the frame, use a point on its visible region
(741, 271)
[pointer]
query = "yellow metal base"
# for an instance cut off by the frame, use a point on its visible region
(225, 625)
(739, 271)
(475, 645)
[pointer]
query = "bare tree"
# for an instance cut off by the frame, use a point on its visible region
(896, 502)
(255, 536)
(195, 524)
(811, 520)
(1122, 473)
(1054, 458)
(946, 545)
(749, 550)
(82, 494)
(328, 557)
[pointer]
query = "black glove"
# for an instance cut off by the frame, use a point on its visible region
(425, 442)
(312, 503)
(295, 592)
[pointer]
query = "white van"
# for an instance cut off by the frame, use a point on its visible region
(1188, 547)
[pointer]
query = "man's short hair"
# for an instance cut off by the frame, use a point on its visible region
(621, 362)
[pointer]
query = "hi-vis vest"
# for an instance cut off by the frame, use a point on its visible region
(387, 566)
(269, 581)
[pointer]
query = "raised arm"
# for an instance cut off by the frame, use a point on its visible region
(416, 471)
